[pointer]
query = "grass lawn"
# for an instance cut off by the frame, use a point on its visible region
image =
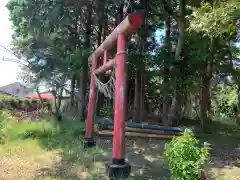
(50, 151)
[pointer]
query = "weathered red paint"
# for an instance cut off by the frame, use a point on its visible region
(126, 27)
(91, 102)
(105, 67)
(135, 19)
(120, 100)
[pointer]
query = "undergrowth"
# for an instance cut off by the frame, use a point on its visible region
(49, 135)
(5, 126)
(29, 140)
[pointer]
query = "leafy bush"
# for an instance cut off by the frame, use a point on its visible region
(224, 100)
(107, 111)
(5, 125)
(11, 102)
(186, 157)
(32, 130)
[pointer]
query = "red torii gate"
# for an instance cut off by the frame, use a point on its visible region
(118, 167)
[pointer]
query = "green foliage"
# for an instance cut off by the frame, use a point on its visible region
(8, 97)
(43, 37)
(5, 125)
(185, 156)
(17, 105)
(17, 99)
(11, 129)
(32, 130)
(225, 98)
(107, 111)
(215, 19)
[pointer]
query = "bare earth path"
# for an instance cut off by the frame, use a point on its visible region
(39, 160)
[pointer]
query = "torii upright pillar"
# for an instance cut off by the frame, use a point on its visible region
(88, 140)
(118, 168)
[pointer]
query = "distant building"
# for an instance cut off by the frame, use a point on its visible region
(16, 89)
(3, 93)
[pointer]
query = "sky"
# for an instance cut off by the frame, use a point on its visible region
(8, 70)
(159, 34)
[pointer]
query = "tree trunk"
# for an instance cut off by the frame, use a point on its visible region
(130, 95)
(175, 111)
(237, 113)
(105, 22)
(204, 100)
(137, 97)
(142, 97)
(72, 91)
(166, 90)
(119, 16)
(84, 72)
(57, 102)
(235, 75)
(100, 10)
(139, 78)
(83, 76)
(205, 97)
(100, 96)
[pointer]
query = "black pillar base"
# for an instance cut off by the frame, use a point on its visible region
(88, 142)
(117, 171)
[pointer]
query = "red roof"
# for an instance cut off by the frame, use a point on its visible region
(43, 96)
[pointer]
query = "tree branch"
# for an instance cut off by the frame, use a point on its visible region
(16, 61)
(9, 51)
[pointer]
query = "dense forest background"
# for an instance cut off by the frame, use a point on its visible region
(187, 72)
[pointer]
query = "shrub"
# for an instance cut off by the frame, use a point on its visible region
(107, 111)
(224, 100)
(33, 130)
(186, 157)
(5, 124)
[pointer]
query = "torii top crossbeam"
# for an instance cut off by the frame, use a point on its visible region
(126, 27)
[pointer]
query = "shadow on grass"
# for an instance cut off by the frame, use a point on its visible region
(224, 139)
(145, 155)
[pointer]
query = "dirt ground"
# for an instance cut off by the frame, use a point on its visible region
(33, 160)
